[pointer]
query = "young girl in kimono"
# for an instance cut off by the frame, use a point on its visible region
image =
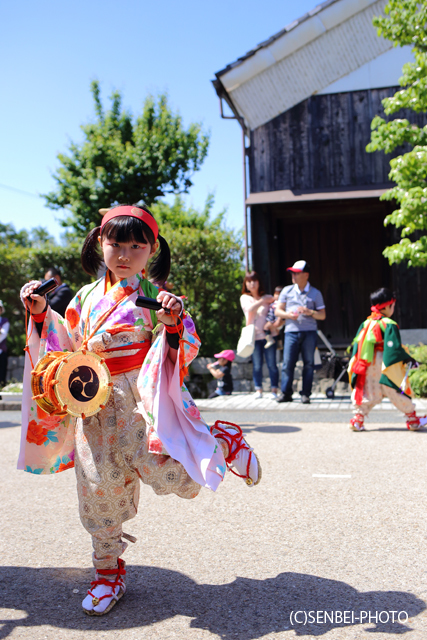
(150, 429)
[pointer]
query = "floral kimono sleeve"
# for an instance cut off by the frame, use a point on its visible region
(188, 347)
(174, 424)
(47, 442)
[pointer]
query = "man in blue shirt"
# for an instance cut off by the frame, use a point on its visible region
(301, 305)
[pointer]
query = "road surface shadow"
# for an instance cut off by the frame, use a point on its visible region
(7, 424)
(10, 419)
(245, 609)
(269, 428)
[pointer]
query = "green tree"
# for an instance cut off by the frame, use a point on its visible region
(405, 23)
(9, 235)
(125, 159)
(207, 267)
(39, 236)
(21, 264)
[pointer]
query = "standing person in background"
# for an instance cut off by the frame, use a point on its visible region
(62, 296)
(301, 305)
(4, 330)
(255, 305)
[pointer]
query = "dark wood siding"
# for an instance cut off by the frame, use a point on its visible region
(320, 144)
(343, 242)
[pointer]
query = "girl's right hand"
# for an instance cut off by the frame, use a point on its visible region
(36, 304)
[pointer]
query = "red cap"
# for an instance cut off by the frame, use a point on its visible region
(133, 212)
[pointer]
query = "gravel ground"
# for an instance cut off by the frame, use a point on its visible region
(338, 525)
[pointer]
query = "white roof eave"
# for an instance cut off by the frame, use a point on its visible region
(330, 43)
(296, 36)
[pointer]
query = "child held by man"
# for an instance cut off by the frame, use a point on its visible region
(273, 325)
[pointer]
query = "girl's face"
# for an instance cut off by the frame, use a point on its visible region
(126, 259)
(252, 286)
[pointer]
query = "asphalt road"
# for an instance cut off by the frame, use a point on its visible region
(330, 544)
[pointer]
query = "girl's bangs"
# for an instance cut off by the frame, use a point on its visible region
(126, 229)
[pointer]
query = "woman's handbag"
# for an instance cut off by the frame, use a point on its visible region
(246, 343)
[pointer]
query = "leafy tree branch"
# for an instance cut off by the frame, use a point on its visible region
(405, 23)
(125, 159)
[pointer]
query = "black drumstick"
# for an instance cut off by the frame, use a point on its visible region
(46, 287)
(150, 303)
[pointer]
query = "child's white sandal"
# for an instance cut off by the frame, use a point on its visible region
(104, 593)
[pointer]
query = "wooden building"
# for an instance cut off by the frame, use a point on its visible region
(305, 99)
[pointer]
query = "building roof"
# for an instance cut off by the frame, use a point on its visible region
(267, 42)
(332, 41)
(289, 196)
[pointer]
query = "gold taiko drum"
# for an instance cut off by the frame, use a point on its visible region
(78, 383)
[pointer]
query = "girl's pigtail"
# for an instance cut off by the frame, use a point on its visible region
(161, 265)
(91, 258)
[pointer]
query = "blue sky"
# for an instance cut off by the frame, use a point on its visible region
(50, 51)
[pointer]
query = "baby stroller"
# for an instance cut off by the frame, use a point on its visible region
(333, 366)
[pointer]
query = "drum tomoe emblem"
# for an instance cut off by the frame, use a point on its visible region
(80, 383)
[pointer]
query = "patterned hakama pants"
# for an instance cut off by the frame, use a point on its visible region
(374, 392)
(111, 457)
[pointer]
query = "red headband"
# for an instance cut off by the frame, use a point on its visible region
(383, 305)
(133, 212)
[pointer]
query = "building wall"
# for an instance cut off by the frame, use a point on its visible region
(343, 242)
(320, 144)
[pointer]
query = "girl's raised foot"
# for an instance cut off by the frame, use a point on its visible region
(107, 588)
(241, 459)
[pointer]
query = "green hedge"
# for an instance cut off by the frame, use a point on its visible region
(418, 377)
(206, 267)
(21, 264)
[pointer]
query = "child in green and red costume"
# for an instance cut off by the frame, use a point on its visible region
(378, 368)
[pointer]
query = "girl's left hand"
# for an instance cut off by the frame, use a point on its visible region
(171, 302)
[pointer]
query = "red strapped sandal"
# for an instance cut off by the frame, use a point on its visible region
(104, 593)
(413, 422)
(240, 455)
(356, 423)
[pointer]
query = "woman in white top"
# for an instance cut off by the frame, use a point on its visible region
(255, 306)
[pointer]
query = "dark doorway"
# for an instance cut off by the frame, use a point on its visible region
(343, 242)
